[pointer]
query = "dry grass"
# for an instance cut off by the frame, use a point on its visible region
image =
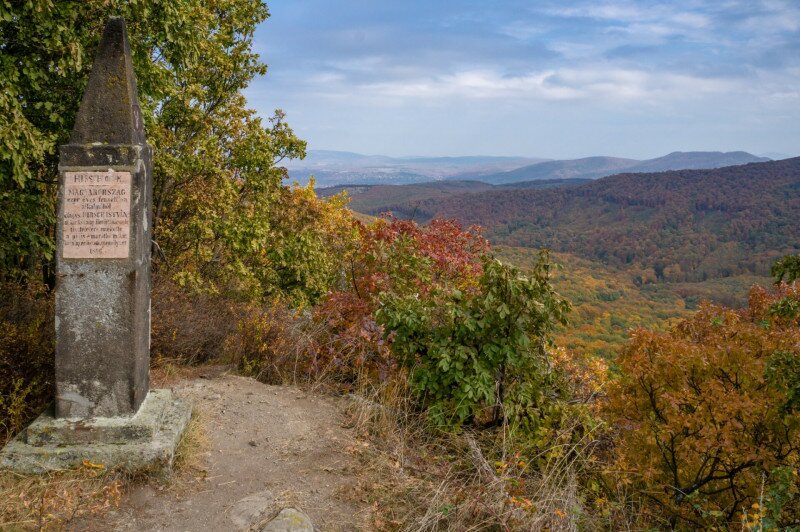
(168, 374)
(274, 344)
(194, 443)
(56, 500)
(419, 478)
(52, 501)
(190, 328)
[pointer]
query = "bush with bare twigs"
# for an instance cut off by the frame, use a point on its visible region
(424, 479)
(27, 355)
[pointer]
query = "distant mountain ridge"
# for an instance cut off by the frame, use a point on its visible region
(596, 167)
(684, 225)
(585, 168)
(696, 160)
(332, 168)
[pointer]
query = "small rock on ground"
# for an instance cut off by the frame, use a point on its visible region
(289, 520)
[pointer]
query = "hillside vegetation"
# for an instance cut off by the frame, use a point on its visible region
(608, 305)
(403, 199)
(688, 225)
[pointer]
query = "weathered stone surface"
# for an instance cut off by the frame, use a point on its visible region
(103, 291)
(109, 111)
(157, 430)
(141, 427)
(289, 520)
(252, 509)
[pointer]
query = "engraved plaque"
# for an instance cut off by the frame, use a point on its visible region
(97, 210)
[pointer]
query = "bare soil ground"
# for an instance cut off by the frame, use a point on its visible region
(268, 447)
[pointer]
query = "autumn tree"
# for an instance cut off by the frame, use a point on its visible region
(708, 414)
(390, 258)
(217, 180)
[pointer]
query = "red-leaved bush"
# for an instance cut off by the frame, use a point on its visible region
(396, 257)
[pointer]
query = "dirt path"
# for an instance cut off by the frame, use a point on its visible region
(268, 447)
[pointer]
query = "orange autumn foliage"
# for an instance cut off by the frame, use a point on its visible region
(707, 413)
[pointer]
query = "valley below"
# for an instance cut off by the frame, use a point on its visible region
(636, 249)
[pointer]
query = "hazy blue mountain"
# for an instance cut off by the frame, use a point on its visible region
(585, 168)
(596, 167)
(696, 160)
(776, 155)
(335, 167)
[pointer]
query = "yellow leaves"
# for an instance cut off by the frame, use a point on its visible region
(88, 464)
(754, 520)
(521, 502)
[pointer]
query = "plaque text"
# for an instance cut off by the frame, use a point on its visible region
(97, 208)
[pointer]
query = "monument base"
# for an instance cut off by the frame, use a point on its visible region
(145, 441)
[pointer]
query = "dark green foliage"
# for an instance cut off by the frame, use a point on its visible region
(480, 354)
(787, 268)
(783, 372)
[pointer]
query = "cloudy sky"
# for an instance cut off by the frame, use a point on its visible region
(557, 79)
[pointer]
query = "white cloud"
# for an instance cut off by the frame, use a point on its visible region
(609, 84)
(627, 12)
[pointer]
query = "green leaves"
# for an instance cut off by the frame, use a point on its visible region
(786, 268)
(219, 202)
(478, 356)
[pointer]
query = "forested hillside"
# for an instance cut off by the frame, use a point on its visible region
(403, 199)
(687, 225)
(608, 305)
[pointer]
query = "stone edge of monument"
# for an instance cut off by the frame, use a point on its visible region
(154, 454)
(142, 426)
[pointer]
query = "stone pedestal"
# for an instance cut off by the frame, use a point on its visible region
(103, 411)
(145, 441)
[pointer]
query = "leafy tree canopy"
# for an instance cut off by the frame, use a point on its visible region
(480, 353)
(216, 183)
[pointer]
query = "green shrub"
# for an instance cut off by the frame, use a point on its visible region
(479, 355)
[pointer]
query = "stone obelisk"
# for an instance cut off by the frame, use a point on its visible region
(104, 410)
(103, 245)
